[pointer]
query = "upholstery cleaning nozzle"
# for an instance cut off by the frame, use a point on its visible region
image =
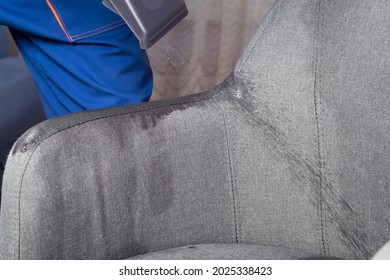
(149, 19)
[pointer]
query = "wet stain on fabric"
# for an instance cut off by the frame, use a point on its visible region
(239, 94)
(159, 181)
(151, 118)
(29, 139)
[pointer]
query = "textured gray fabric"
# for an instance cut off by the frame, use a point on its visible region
(225, 252)
(291, 151)
(317, 87)
(353, 95)
(118, 186)
(270, 120)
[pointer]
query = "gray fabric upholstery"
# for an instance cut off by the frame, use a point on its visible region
(226, 252)
(291, 151)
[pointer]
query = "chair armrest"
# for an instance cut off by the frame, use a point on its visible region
(115, 183)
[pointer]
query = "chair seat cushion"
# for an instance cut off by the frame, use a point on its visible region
(228, 252)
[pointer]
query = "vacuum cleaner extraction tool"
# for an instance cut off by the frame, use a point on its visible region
(149, 19)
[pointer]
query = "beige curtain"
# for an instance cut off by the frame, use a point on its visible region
(202, 50)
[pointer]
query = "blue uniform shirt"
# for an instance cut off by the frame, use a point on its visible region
(82, 55)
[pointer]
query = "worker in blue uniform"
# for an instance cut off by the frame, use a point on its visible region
(82, 55)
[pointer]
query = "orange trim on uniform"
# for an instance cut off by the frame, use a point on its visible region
(54, 11)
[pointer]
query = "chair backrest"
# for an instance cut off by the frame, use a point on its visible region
(317, 80)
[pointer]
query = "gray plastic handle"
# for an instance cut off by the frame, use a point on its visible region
(149, 19)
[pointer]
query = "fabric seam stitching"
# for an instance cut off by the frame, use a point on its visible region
(86, 34)
(233, 190)
(272, 18)
(317, 103)
(322, 133)
(98, 29)
(61, 23)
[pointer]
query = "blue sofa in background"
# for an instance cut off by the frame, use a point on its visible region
(20, 107)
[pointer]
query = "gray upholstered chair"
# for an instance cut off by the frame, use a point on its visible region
(20, 107)
(288, 158)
